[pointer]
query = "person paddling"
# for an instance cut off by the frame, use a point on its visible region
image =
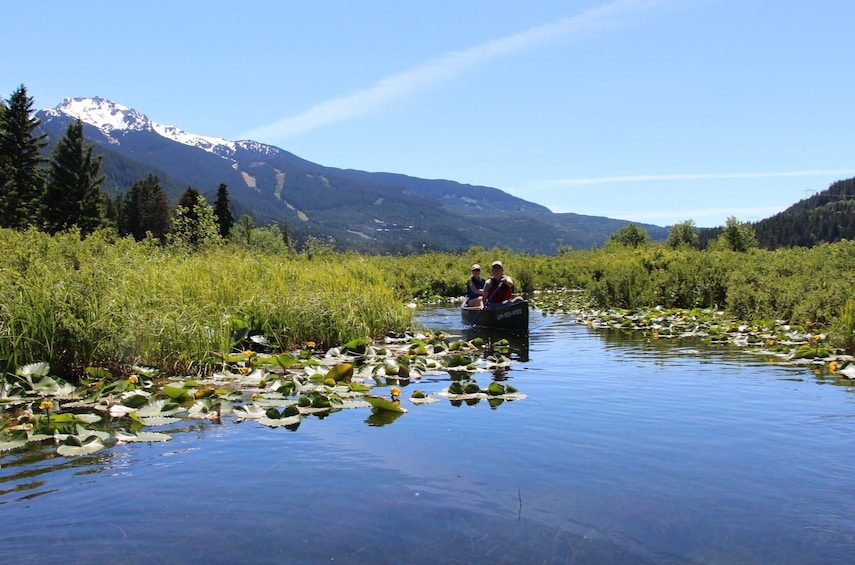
(499, 288)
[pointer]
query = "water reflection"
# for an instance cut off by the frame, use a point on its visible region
(518, 342)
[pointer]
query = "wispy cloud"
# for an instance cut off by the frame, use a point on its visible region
(687, 176)
(443, 69)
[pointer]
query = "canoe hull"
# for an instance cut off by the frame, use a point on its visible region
(513, 316)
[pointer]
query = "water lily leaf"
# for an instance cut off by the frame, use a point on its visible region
(285, 360)
(99, 373)
(13, 440)
(279, 421)
(340, 372)
(142, 436)
(159, 407)
(39, 369)
(73, 446)
(208, 408)
(249, 412)
(457, 360)
(357, 345)
(380, 403)
(119, 410)
(176, 393)
(238, 336)
(135, 400)
(204, 392)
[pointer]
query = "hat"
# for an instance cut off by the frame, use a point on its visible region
(476, 267)
(498, 264)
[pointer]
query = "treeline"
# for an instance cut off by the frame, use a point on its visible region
(63, 191)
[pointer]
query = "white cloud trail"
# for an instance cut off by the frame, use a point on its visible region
(442, 69)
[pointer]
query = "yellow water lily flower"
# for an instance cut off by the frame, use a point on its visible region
(818, 337)
(46, 405)
(832, 366)
(254, 396)
(311, 344)
(248, 353)
(395, 391)
(243, 370)
(133, 379)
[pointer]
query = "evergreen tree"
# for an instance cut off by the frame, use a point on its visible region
(73, 196)
(23, 178)
(145, 210)
(225, 218)
(188, 200)
(286, 234)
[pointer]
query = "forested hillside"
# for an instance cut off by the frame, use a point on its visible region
(827, 216)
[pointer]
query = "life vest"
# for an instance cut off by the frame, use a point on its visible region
(494, 292)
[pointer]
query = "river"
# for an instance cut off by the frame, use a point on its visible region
(626, 449)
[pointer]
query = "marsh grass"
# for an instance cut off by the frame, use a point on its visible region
(117, 303)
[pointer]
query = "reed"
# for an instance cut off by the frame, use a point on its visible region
(114, 302)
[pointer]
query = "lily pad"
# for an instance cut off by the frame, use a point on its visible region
(74, 445)
(380, 403)
(142, 436)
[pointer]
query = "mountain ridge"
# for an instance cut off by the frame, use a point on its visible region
(367, 211)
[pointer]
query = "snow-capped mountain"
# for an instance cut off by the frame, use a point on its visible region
(113, 120)
(366, 211)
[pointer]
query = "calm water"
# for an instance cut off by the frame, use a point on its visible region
(625, 451)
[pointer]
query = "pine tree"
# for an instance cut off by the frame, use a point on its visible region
(225, 218)
(145, 210)
(23, 179)
(189, 198)
(73, 196)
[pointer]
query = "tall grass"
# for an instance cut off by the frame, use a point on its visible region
(116, 302)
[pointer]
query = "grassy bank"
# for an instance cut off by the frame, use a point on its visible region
(813, 288)
(115, 302)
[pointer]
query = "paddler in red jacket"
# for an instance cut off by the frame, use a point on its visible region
(499, 288)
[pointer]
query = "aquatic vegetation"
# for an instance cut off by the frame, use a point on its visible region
(273, 389)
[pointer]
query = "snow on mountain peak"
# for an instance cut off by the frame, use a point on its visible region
(111, 118)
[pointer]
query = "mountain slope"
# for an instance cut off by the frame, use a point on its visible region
(826, 216)
(373, 212)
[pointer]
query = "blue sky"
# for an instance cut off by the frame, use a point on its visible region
(654, 111)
